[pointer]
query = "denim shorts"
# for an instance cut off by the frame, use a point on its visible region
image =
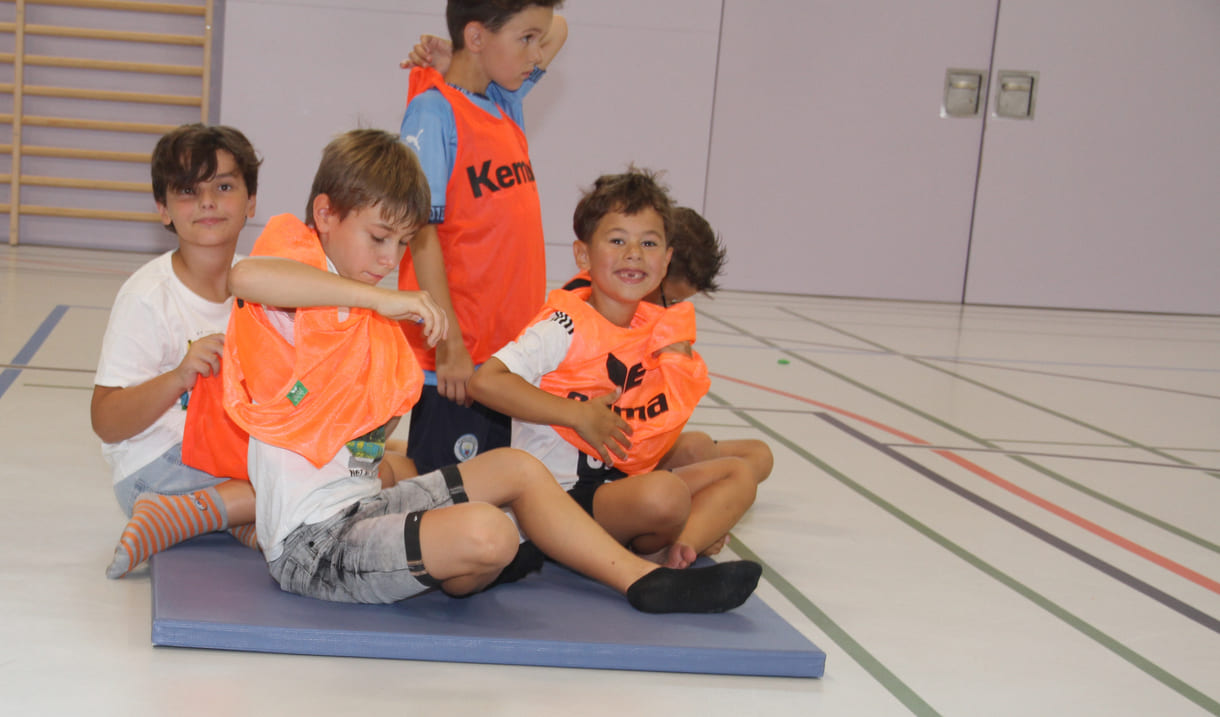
(363, 554)
(167, 475)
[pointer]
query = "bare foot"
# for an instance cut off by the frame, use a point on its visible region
(678, 555)
(717, 546)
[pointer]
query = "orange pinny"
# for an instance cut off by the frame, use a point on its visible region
(212, 442)
(339, 378)
(659, 391)
(491, 239)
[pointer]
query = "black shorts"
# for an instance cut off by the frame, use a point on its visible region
(585, 487)
(443, 432)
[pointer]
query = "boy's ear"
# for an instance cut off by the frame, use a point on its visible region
(323, 212)
(163, 212)
(250, 206)
(473, 35)
(580, 251)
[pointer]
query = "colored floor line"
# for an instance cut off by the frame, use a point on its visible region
(1080, 521)
(1132, 657)
(999, 392)
(1182, 608)
(857, 652)
(1096, 495)
(9, 375)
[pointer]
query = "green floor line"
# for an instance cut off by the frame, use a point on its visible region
(1001, 392)
(1079, 487)
(846, 642)
(1131, 656)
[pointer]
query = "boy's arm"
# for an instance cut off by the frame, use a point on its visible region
(289, 284)
(498, 388)
(118, 413)
(454, 366)
(553, 41)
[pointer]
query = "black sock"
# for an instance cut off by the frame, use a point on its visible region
(715, 588)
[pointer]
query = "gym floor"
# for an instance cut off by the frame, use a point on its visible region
(974, 510)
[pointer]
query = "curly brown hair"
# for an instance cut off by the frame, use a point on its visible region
(698, 254)
(628, 193)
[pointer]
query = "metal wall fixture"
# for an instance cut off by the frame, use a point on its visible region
(963, 91)
(1015, 94)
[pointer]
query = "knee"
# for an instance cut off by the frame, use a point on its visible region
(760, 458)
(489, 539)
(667, 500)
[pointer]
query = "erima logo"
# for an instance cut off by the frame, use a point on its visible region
(412, 141)
(627, 378)
(506, 175)
(563, 320)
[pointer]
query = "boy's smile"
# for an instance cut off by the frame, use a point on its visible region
(626, 258)
(213, 211)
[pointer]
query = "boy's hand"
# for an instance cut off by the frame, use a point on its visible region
(416, 306)
(454, 368)
(202, 359)
(602, 428)
(432, 51)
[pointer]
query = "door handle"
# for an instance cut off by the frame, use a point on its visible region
(1015, 95)
(963, 90)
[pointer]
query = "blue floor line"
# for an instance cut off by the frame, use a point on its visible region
(9, 376)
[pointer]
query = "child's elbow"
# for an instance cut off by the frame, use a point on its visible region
(240, 278)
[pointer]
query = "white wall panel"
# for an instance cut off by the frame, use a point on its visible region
(832, 171)
(1108, 197)
(633, 84)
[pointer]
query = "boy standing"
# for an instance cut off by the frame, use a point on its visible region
(608, 348)
(481, 256)
(166, 331)
(317, 370)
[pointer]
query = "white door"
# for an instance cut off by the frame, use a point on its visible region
(831, 169)
(1109, 197)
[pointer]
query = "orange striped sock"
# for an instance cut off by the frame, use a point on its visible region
(162, 521)
(246, 535)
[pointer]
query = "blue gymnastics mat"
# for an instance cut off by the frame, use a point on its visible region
(212, 592)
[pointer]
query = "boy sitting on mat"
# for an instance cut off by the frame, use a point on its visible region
(165, 334)
(318, 372)
(698, 258)
(602, 382)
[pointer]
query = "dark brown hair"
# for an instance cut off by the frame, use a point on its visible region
(186, 156)
(492, 14)
(371, 167)
(629, 193)
(698, 253)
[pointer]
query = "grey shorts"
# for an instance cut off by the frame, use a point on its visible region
(370, 552)
(167, 475)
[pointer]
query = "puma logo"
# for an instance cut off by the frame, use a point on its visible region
(412, 141)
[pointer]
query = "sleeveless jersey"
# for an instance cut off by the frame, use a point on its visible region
(491, 239)
(659, 392)
(339, 378)
(212, 442)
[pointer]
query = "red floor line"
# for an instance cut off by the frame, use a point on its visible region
(1108, 535)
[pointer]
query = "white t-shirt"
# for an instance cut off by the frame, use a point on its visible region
(292, 491)
(539, 350)
(154, 319)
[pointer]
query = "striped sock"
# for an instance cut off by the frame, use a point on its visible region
(245, 535)
(162, 521)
